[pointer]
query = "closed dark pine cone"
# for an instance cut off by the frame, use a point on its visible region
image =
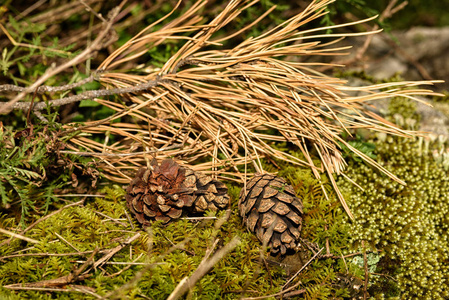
(271, 210)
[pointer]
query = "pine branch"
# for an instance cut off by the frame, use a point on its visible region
(94, 46)
(76, 98)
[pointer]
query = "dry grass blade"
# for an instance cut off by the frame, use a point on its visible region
(227, 107)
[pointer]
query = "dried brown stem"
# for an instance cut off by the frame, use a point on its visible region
(118, 293)
(113, 251)
(47, 88)
(206, 264)
(84, 55)
(284, 291)
(18, 236)
(60, 281)
(81, 202)
(365, 267)
(82, 96)
(302, 268)
(48, 254)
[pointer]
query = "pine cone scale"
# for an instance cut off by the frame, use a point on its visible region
(281, 209)
(280, 226)
(266, 205)
(252, 221)
(251, 183)
(295, 218)
(267, 220)
(270, 192)
(148, 212)
(137, 205)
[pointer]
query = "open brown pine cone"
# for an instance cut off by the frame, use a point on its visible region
(272, 211)
(167, 190)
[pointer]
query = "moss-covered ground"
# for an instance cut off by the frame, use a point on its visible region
(90, 247)
(402, 228)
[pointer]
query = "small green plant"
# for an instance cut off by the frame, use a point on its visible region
(31, 168)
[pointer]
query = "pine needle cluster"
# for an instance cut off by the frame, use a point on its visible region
(218, 109)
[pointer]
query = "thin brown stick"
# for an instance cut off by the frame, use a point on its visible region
(48, 88)
(113, 251)
(49, 254)
(128, 265)
(60, 281)
(80, 97)
(67, 242)
(118, 293)
(302, 268)
(365, 267)
(188, 283)
(119, 154)
(287, 290)
(111, 219)
(69, 288)
(328, 251)
(81, 202)
(84, 55)
(18, 236)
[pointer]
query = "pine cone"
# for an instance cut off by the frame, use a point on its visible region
(270, 209)
(169, 189)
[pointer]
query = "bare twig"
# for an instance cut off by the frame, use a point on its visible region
(206, 264)
(113, 251)
(119, 154)
(69, 288)
(365, 267)
(44, 218)
(129, 219)
(388, 12)
(118, 293)
(18, 236)
(302, 268)
(67, 242)
(81, 202)
(47, 88)
(112, 219)
(128, 265)
(425, 75)
(49, 254)
(285, 290)
(15, 43)
(79, 97)
(99, 16)
(60, 281)
(96, 44)
(328, 252)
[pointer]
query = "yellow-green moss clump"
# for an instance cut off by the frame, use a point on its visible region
(102, 224)
(409, 224)
(68, 237)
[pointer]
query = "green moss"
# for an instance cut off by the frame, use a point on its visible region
(242, 272)
(401, 111)
(86, 228)
(408, 223)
